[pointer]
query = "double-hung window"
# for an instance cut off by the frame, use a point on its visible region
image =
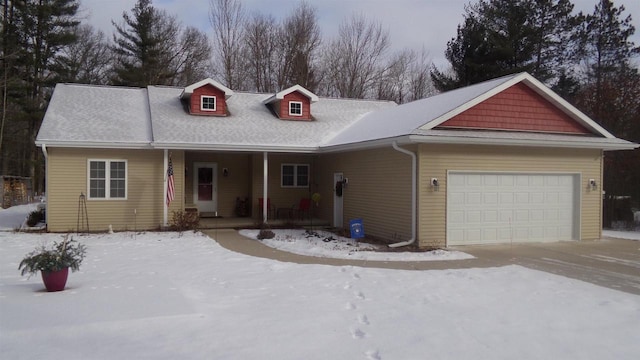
(295, 108)
(295, 175)
(207, 103)
(107, 179)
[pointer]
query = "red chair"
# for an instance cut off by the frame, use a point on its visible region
(303, 208)
(270, 210)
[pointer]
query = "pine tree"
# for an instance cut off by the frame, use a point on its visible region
(151, 48)
(500, 37)
(34, 33)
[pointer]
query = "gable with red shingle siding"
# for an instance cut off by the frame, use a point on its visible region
(517, 108)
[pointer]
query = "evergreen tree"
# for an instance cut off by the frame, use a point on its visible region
(610, 94)
(500, 37)
(138, 47)
(151, 48)
(34, 33)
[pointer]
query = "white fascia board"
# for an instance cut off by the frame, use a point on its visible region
(565, 106)
(534, 85)
(208, 81)
(280, 95)
(522, 142)
(236, 148)
(94, 144)
(371, 144)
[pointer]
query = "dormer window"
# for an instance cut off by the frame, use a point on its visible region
(293, 103)
(295, 108)
(206, 97)
(207, 103)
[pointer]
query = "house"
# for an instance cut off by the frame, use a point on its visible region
(500, 161)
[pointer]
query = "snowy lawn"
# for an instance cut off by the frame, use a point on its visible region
(165, 296)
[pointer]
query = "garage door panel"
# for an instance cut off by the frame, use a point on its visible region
(498, 208)
(522, 198)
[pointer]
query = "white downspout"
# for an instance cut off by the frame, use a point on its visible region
(46, 182)
(265, 177)
(413, 197)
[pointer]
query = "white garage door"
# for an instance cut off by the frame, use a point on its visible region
(484, 208)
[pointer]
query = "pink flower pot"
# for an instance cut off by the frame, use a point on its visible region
(55, 280)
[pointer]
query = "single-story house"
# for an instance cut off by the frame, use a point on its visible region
(506, 160)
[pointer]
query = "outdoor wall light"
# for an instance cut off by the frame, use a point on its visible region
(592, 184)
(434, 184)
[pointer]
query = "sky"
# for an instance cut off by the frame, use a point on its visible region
(413, 24)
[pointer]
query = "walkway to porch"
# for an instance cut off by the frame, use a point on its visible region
(248, 222)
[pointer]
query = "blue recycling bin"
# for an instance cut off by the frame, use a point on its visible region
(357, 230)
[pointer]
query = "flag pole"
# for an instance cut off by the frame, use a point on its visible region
(164, 198)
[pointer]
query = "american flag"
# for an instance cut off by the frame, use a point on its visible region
(170, 184)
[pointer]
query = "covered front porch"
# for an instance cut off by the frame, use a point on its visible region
(247, 223)
(227, 189)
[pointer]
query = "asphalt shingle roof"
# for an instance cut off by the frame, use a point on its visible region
(120, 117)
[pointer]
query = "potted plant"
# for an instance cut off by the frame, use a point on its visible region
(54, 262)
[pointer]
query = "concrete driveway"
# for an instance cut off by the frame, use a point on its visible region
(612, 263)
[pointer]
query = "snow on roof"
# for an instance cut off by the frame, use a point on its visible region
(208, 81)
(102, 116)
(250, 125)
(86, 115)
(404, 119)
(280, 95)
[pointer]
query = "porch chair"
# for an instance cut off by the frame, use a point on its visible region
(271, 209)
(303, 209)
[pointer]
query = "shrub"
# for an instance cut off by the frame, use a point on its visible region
(265, 232)
(185, 220)
(35, 217)
(67, 254)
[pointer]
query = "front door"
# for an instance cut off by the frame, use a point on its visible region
(205, 186)
(337, 200)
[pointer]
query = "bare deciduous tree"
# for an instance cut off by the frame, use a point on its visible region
(298, 41)
(261, 48)
(227, 19)
(354, 60)
(407, 77)
(88, 60)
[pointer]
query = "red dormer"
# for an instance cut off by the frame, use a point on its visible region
(293, 103)
(206, 97)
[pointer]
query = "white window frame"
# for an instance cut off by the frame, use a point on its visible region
(215, 102)
(290, 105)
(107, 179)
(295, 175)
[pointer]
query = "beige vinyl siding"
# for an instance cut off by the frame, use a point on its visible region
(378, 192)
(436, 160)
(67, 178)
(281, 197)
(235, 185)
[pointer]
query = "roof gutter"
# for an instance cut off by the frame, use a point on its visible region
(413, 196)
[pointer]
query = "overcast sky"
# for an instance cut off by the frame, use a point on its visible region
(411, 23)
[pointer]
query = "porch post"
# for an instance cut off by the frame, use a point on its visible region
(265, 197)
(164, 198)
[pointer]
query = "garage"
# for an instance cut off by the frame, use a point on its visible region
(486, 208)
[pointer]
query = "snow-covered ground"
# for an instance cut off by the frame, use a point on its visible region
(165, 296)
(15, 217)
(618, 234)
(326, 244)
